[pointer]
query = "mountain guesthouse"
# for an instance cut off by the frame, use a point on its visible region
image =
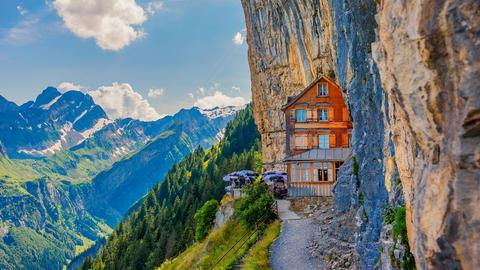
(318, 128)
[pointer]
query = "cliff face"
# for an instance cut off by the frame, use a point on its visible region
(428, 54)
(412, 102)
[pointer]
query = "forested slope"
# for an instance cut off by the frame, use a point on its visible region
(163, 226)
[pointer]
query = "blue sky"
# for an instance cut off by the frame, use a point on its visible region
(181, 49)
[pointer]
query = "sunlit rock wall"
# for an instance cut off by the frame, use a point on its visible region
(428, 53)
(426, 121)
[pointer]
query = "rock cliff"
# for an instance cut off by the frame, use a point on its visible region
(428, 54)
(410, 75)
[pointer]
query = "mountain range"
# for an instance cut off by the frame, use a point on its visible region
(69, 173)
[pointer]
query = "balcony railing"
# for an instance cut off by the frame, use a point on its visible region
(316, 147)
(308, 120)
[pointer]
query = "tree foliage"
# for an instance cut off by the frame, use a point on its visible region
(164, 225)
(205, 219)
(256, 206)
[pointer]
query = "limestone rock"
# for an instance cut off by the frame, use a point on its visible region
(410, 72)
(428, 54)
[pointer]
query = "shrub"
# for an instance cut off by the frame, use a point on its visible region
(256, 205)
(361, 198)
(389, 215)
(400, 225)
(355, 166)
(205, 218)
(399, 232)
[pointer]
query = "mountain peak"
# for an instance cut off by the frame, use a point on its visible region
(47, 96)
(6, 105)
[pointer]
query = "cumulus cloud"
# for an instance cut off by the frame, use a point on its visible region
(219, 99)
(21, 9)
(66, 86)
(113, 24)
(121, 101)
(155, 93)
(239, 38)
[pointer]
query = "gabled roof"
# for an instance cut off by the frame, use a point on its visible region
(292, 101)
(331, 154)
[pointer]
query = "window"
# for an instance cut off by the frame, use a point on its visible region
(322, 89)
(296, 170)
(323, 175)
(323, 115)
(301, 141)
(323, 141)
(301, 115)
(305, 173)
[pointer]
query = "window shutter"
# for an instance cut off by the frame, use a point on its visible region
(332, 140)
(309, 114)
(346, 116)
(345, 140)
(330, 114)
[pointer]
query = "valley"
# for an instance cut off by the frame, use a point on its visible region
(67, 191)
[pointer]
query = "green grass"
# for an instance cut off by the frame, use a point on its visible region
(203, 255)
(13, 171)
(397, 217)
(400, 225)
(257, 258)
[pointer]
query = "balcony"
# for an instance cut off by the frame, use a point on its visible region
(302, 148)
(309, 120)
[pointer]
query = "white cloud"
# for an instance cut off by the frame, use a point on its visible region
(153, 7)
(21, 9)
(66, 86)
(236, 88)
(24, 32)
(113, 24)
(121, 101)
(155, 93)
(239, 38)
(191, 95)
(218, 99)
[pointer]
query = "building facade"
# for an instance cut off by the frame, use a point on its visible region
(318, 138)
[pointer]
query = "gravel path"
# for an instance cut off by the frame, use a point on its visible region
(290, 250)
(324, 240)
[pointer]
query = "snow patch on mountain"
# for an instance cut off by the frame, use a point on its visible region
(48, 105)
(101, 123)
(80, 116)
(221, 112)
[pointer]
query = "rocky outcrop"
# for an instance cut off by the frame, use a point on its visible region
(412, 100)
(428, 54)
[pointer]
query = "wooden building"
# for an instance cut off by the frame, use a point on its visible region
(318, 130)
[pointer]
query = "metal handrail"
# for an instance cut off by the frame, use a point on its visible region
(262, 219)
